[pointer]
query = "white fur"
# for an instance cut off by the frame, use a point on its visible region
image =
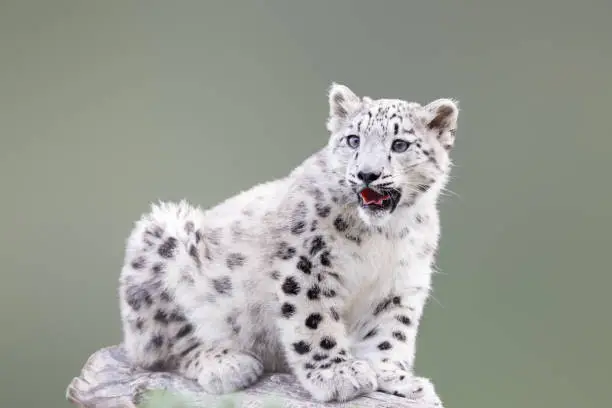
(206, 293)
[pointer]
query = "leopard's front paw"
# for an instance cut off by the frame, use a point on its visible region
(340, 381)
(229, 371)
(405, 385)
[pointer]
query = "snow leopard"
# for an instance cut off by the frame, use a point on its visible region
(323, 273)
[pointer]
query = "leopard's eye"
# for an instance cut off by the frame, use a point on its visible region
(352, 141)
(400, 145)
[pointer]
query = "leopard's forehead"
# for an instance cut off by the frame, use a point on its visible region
(385, 116)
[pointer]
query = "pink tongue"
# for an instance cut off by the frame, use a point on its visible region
(370, 196)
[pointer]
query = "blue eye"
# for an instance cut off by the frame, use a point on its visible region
(352, 141)
(400, 146)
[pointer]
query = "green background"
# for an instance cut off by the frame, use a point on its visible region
(106, 106)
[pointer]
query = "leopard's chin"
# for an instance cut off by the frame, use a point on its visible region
(374, 217)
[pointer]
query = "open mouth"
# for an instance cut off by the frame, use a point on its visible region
(378, 200)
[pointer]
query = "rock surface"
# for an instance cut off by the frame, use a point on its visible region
(108, 380)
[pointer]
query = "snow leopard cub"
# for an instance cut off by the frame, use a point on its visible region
(324, 273)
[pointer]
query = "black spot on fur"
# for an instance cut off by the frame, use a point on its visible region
(313, 321)
(235, 260)
(189, 227)
(223, 285)
(139, 262)
(290, 286)
(327, 343)
(396, 300)
(340, 224)
(275, 275)
(198, 236)
(404, 320)
(304, 265)
(158, 268)
(338, 360)
(136, 296)
(330, 293)
(166, 250)
(322, 210)
(157, 341)
(338, 98)
(325, 261)
(231, 321)
(320, 357)
(176, 316)
(301, 347)
(314, 225)
(325, 366)
(155, 231)
(287, 310)
(298, 227)
(285, 251)
(189, 349)
(300, 211)
(161, 316)
(423, 187)
(316, 193)
(385, 345)
(165, 296)
(314, 292)
(334, 314)
(309, 366)
(353, 238)
(157, 365)
(399, 335)
(371, 333)
(139, 323)
(184, 331)
(207, 253)
(382, 306)
(193, 252)
(395, 129)
(317, 245)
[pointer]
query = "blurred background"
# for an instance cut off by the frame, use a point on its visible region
(107, 106)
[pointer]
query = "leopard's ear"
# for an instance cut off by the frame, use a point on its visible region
(440, 116)
(342, 104)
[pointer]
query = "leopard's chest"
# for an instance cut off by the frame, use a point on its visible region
(367, 269)
(383, 265)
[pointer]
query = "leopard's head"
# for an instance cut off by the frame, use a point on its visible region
(389, 152)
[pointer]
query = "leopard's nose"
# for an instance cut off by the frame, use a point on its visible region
(368, 177)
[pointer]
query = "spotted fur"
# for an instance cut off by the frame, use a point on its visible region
(294, 274)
